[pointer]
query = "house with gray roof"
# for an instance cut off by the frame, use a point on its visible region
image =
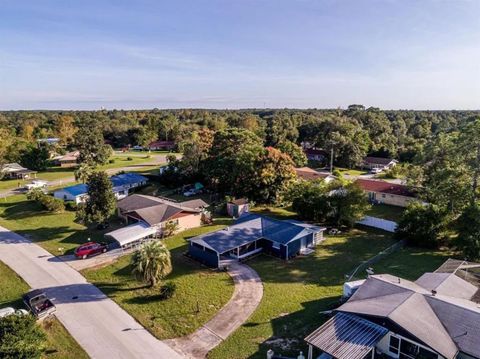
(253, 234)
(437, 316)
(147, 216)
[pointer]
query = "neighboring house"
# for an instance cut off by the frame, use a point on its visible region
(314, 154)
(122, 185)
(386, 192)
(161, 145)
(309, 174)
(147, 217)
(17, 171)
(69, 159)
(437, 316)
(49, 141)
(378, 163)
(238, 207)
(252, 234)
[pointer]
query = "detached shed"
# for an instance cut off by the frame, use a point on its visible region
(238, 207)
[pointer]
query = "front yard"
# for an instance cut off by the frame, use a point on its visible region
(55, 232)
(200, 292)
(384, 211)
(60, 344)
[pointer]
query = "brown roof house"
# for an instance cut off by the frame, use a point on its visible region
(148, 215)
(69, 159)
(386, 192)
(316, 154)
(309, 174)
(161, 145)
(437, 316)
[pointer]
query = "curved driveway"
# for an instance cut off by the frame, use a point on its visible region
(99, 325)
(246, 297)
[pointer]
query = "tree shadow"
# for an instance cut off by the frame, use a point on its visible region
(289, 330)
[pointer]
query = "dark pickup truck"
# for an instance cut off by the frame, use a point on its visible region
(38, 303)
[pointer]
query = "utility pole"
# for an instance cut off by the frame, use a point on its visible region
(331, 160)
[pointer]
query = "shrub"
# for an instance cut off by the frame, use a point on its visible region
(422, 226)
(48, 202)
(111, 161)
(21, 337)
(129, 159)
(71, 206)
(168, 290)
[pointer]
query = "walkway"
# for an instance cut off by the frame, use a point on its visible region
(246, 297)
(100, 326)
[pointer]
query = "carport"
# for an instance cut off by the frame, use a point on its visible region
(133, 234)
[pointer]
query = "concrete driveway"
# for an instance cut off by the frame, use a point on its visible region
(99, 325)
(246, 297)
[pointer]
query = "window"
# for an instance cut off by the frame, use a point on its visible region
(383, 196)
(394, 345)
(408, 349)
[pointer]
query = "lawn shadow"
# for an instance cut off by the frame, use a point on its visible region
(290, 329)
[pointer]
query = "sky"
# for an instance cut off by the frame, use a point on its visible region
(123, 54)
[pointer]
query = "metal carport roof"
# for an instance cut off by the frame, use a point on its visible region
(347, 336)
(132, 233)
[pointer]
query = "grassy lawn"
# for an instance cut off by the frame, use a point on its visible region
(352, 172)
(296, 292)
(275, 212)
(200, 292)
(391, 213)
(411, 263)
(49, 230)
(58, 173)
(60, 343)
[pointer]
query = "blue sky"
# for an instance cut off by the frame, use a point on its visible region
(409, 54)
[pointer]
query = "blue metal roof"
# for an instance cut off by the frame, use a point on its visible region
(77, 190)
(127, 179)
(117, 181)
(251, 227)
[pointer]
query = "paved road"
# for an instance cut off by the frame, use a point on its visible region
(99, 325)
(246, 297)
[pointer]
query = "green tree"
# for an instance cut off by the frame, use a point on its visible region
(101, 202)
(468, 226)
(294, 151)
(232, 161)
(21, 338)
(90, 143)
(348, 205)
(170, 228)
(151, 263)
(83, 172)
(35, 158)
(274, 174)
(422, 225)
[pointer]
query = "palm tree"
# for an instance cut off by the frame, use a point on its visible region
(151, 263)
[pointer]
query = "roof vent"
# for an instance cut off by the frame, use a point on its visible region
(434, 292)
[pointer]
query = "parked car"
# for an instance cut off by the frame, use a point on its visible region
(36, 184)
(376, 171)
(190, 193)
(103, 225)
(38, 303)
(5, 312)
(90, 249)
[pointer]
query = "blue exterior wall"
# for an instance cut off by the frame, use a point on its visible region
(206, 256)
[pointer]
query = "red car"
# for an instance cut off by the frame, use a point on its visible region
(90, 249)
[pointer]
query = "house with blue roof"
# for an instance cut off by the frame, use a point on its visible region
(122, 186)
(252, 234)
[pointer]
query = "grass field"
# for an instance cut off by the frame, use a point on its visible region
(200, 292)
(296, 292)
(56, 232)
(352, 172)
(60, 344)
(391, 213)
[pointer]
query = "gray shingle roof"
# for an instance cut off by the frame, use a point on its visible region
(447, 322)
